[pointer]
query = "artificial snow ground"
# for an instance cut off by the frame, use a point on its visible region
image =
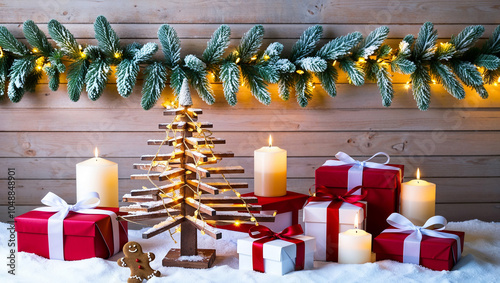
(480, 263)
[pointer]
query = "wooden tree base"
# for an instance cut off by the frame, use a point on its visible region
(172, 259)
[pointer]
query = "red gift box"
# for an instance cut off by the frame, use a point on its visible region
(85, 235)
(435, 253)
(290, 203)
(383, 188)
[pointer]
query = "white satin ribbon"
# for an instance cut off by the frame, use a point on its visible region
(355, 173)
(62, 208)
(411, 246)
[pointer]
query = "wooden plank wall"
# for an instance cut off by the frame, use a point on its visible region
(455, 143)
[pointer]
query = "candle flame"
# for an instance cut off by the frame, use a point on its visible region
(96, 152)
(418, 173)
(356, 219)
(270, 141)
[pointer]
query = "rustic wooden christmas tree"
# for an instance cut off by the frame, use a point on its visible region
(183, 198)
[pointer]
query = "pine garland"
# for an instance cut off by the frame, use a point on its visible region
(455, 64)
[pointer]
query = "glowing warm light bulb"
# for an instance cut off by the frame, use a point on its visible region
(203, 232)
(266, 57)
(253, 219)
(254, 57)
(361, 60)
(83, 55)
(238, 194)
(96, 152)
(35, 50)
(300, 72)
(270, 141)
(237, 223)
(117, 55)
(434, 81)
(334, 63)
(237, 60)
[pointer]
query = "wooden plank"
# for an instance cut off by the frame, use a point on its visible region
(203, 207)
(130, 144)
(196, 169)
(449, 190)
(155, 168)
(162, 227)
(197, 156)
(267, 120)
(203, 186)
(298, 167)
(151, 215)
(163, 157)
(251, 12)
(202, 226)
(235, 207)
(227, 199)
(173, 126)
(154, 191)
(225, 186)
(165, 142)
(141, 198)
(202, 141)
(199, 125)
(218, 154)
(348, 96)
(151, 206)
(240, 216)
(225, 170)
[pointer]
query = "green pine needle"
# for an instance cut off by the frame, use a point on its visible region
(154, 83)
(303, 89)
(126, 77)
(76, 78)
(306, 43)
(195, 64)
(274, 50)
(176, 78)
(36, 37)
(466, 39)
(32, 80)
(145, 52)
(106, 36)
(339, 47)
(250, 43)
(64, 39)
(468, 73)
(425, 44)
(285, 86)
(328, 80)
(230, 77)
(10, 43)
(200, 82)
(421, 87)
(171, 46)
(131, 49)
(217, 45)
(444, 76)
(445, 51)
(96, 79)
(313, 64)
(492, 46)
(54, 81)
(355, 74)
(371, 43)
(489, 62)
(15, 93)
(256, 83)
(20, 69)
(384, 83)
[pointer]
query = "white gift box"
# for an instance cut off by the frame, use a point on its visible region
(279, 255)
(315, 222)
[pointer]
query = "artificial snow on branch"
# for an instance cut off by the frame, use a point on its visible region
(455, 64)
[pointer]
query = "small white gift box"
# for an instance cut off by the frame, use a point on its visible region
(279, 255)
(315, 218)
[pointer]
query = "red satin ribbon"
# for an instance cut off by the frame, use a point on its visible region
(268, 235)
(332, 215)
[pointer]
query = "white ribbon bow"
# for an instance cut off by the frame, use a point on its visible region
(411, 246)
(355, 173)
(62, 208)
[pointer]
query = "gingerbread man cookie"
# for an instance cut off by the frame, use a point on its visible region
(138, 262)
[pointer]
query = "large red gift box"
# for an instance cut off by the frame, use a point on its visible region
(435, 253)
(383, 187)
(85, 235)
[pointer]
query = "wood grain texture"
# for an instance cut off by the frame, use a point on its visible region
(455, 143)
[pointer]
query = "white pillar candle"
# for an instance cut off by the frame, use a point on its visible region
(270, 171)
(355, 246)
(418, 200)
(98, 175)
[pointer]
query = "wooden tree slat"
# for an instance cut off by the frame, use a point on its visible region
(151, 215)
(203, 186)
(241, 217)
(197, 156)
(162, 227)
(202, 141)
(225, 186)
(163, 157)
(155, 168)
(203, 207)
(151, 206)
(225, 170)
(200, 225)
(235, 207)
(154, 191)
(142, 198)
(227, 199)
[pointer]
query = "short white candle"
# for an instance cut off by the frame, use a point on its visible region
(270, 171)
(418, 200)
(98, 175)
(355, 246)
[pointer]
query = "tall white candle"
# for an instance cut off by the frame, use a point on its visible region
(355, 245)
(270, 171)
(418, 200)
(98, 175)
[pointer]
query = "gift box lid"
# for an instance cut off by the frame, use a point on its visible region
(75, 224)
(336, 176)
(290, 202)
(430, 247)
(276, 250)
(315, 211)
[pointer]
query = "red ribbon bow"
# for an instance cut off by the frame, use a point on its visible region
(267, 235)
(332, 215)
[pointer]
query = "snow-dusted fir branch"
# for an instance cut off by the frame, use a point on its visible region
(455, 65)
